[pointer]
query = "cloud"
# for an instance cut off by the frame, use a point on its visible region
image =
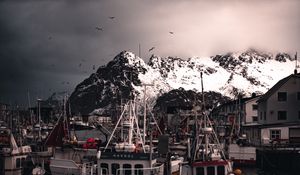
(43, 42)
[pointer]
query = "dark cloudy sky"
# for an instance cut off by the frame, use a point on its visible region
(48, 46)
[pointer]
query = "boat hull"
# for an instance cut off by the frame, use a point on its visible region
(242, 155)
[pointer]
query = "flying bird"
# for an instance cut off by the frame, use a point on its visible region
(152, 48)
(111, 17)
(99, 28)
(171, 33)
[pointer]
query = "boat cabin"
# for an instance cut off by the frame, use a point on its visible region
(128, 163)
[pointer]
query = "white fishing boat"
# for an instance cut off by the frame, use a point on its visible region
(12, 156)
(130, 155)
(205, 155)
(242, 153)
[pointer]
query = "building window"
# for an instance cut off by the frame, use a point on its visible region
(254, 107)
(254, 118)
(282, 115)
(275, 134)
(298, 114)
(282, 96)
(260, 116)
(298, 95)
(265, 115)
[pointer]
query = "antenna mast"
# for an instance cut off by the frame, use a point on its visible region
(140, 50)
(296, 64)
(296, 60)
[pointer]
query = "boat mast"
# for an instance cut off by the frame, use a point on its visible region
(239, 115)
(203, 112)
(296, 63)
(65, 119)
(130, 129)
(29, 106)
(19, 127)
(145, 113)
(39, 117)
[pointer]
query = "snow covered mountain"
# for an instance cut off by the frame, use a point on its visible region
(228, 74)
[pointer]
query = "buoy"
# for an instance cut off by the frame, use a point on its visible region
(237, 172)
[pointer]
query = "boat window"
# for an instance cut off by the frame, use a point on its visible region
(220, 170)
(104, 168)
(127, 169)
(114, 168)
(18, 162)
(200, 171)
(210, 170)
(138, 169)
(23, 162)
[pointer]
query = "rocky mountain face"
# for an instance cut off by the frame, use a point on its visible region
(105, 88)
(172, 80)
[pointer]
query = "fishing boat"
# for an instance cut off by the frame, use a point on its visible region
(205, 156)
(129, 154)
(242, 153)
(68, 160)
(76, 123)
(12, 156)
(240, 149)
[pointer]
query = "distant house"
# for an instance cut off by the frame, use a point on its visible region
(239, 113)
(279, 111)
(250, 125)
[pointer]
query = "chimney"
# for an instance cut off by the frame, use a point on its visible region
(295, 71)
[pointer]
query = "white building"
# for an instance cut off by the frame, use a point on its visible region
(250, 125)
(279, 112)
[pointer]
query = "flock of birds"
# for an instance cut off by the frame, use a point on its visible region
(100, 29)
(112, 17)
